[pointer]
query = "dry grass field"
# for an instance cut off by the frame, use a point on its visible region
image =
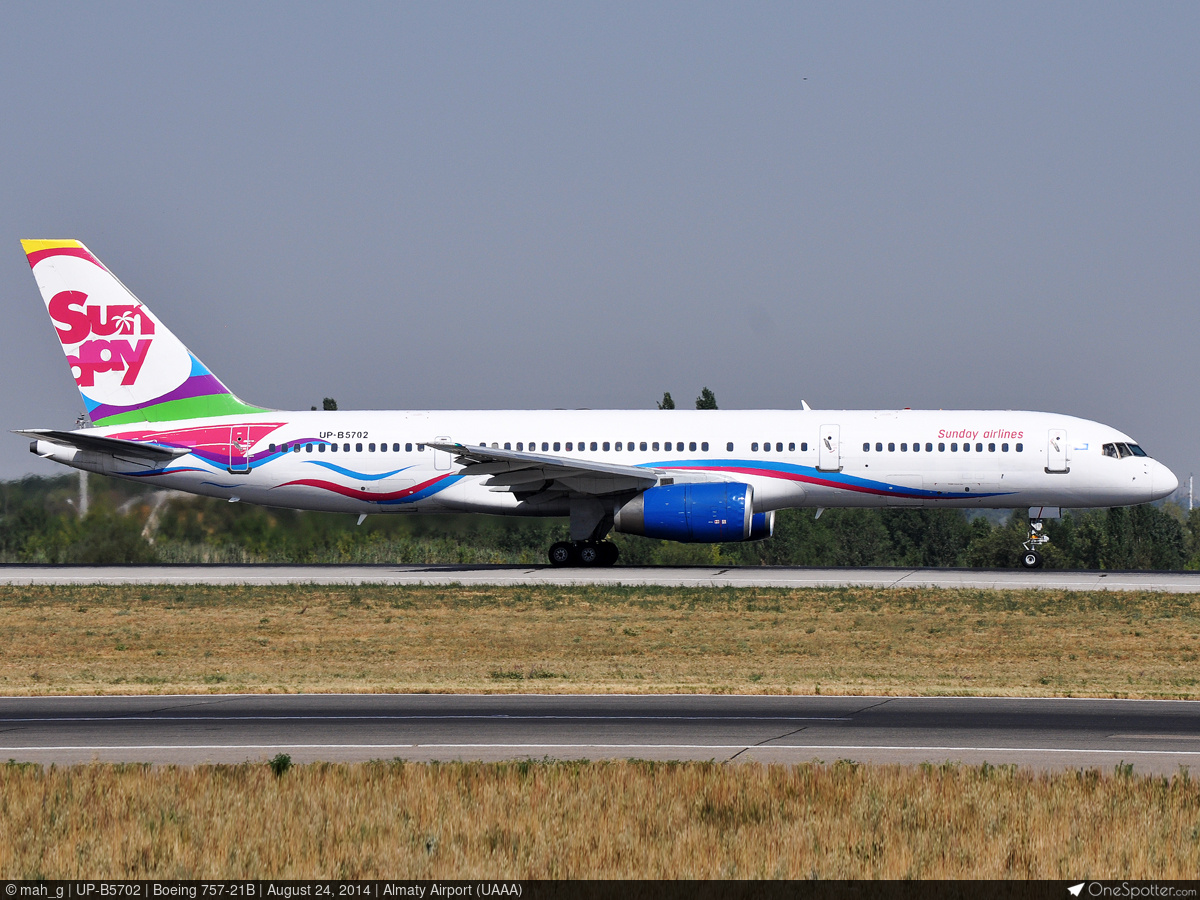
(113, 639)
(606, 820)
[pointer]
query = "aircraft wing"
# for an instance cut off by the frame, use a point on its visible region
(534, 473)
(99, 444)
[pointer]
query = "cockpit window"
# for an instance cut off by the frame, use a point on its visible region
(1121, 450)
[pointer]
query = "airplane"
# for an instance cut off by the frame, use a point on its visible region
(158, 415)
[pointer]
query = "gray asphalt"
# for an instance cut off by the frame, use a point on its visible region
(1155, 736)
(747, 576)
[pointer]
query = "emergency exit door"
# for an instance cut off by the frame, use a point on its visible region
(829, 449)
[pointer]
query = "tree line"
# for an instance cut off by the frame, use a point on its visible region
(133, 523)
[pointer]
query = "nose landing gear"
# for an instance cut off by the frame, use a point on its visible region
(583, 553)
(1032, 558)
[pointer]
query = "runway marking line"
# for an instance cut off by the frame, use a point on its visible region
(515, 717)
(287, 746)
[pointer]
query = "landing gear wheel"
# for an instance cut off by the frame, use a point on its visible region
(562, 554)
(590, 554)
(1032, 560)
(608, 553)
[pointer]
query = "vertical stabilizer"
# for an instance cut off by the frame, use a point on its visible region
(128, 366)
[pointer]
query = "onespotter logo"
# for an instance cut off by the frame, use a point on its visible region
(76, 321)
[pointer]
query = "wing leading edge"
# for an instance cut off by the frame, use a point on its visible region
(534, 473)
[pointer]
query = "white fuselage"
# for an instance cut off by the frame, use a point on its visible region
(378, 461)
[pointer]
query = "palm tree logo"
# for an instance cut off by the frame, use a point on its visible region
(125, 322)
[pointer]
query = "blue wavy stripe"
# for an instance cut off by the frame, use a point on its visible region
(425, 492)
(810, 474)
(350, 473)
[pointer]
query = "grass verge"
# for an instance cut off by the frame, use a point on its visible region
(594, 820)
(166, 639)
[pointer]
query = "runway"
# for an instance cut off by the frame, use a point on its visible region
(1154, 736)
(663, 576)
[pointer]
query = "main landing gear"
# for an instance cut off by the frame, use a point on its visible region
(583, 553)
(1032, 558)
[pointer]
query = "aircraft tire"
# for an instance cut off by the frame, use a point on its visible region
(589, 554)
(562, 554)
(1032, 560)
(608, 553)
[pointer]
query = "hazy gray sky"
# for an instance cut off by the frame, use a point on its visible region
(568, 204)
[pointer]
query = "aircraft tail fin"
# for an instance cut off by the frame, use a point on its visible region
(128, 366)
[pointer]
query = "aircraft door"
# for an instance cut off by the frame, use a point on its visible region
(239, 442)
(829, 449)
(441, 459)
(1056, 451)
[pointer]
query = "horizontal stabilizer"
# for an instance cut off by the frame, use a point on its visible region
(99, 444)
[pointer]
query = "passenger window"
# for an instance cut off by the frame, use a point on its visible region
(916, 448)
(507, 446)
(878, 447)
(358, 448)
(941, 448)
(320, 448)
(704, 446)
(929, 448)
(271, 449)
(904, 448)
(754, 447)
(729, 447)
(1004, 448)
(545, 446)
(867, 447)
(594, 446)
(606, 446)
(692, 445)
(979, 448)
(407, 448)
(804, 447)
(991, 448)
(667, 445)
(371, 447)
(1020, 448)
(345, 448)
(778, 446)
(570, 445)
(642, 445)
(766, 447)
(295, 448)
(421, 447)
(966, 448)
(556, 446)
(891, 448)
(954, 448)
(520, 445)
(308, 448)
(791, 446)
(618, 447)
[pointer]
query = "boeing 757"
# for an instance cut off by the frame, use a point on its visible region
(159, 415)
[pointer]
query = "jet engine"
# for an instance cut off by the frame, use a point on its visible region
(702, 513)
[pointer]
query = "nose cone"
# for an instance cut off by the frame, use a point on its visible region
(1162, 481)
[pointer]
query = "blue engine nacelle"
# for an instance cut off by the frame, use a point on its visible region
(696, 514)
